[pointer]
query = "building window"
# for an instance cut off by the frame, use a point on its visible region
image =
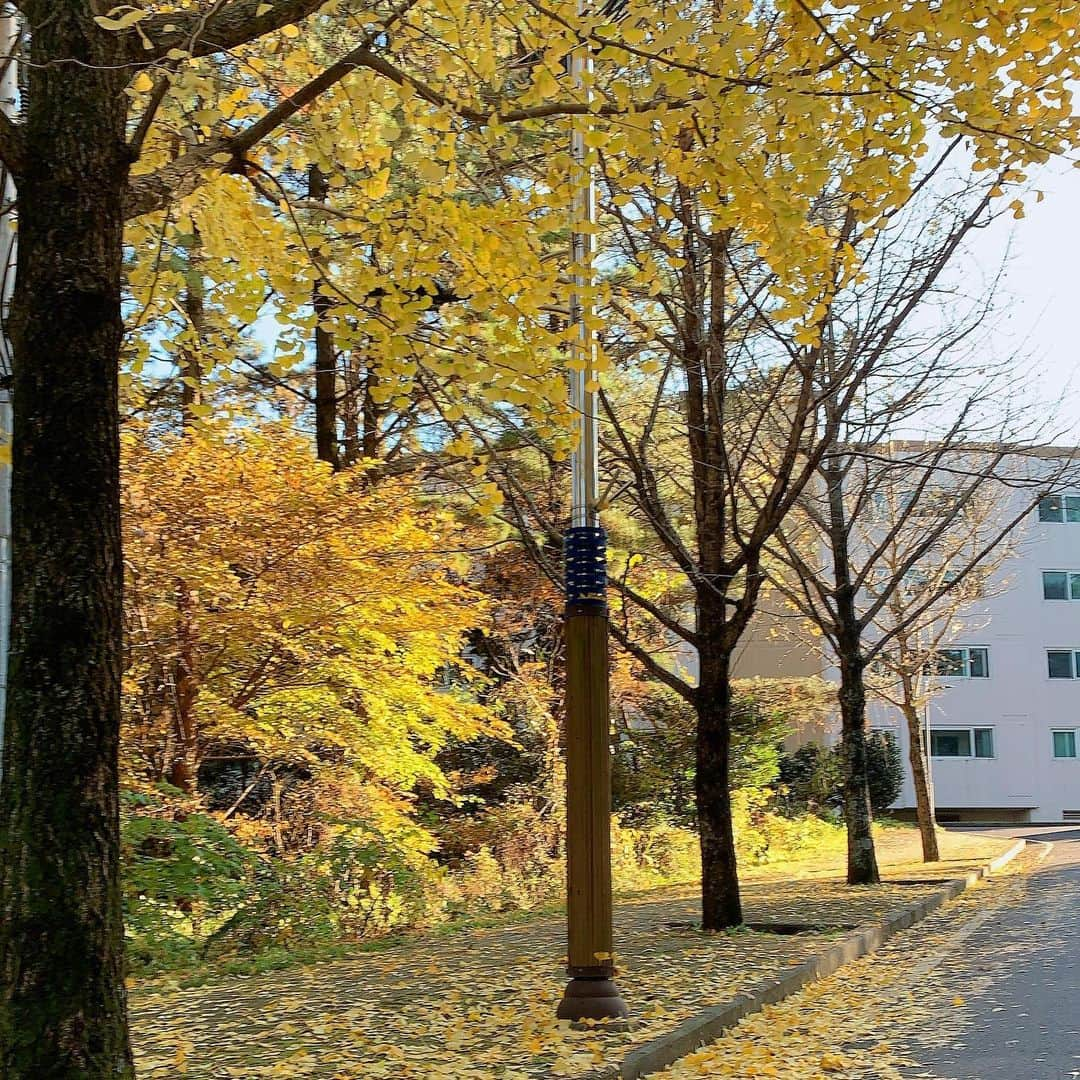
(968, 662)
(1060, 508)
(919, 578)
(962, 742)
(1064, 744)
(1063, 663)
(1061, 585)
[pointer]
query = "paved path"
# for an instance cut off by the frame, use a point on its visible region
(1021, 964)
(986, 988)
(481, 1005)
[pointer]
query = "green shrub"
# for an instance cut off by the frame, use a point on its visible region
(763, 836)
(885, 769)
(812, 779)
(654, 760)
(651, 857)
(183, 874)
(357, 886)
(813, 776)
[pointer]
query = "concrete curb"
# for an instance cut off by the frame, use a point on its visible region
(1045, 847)
(710, 1023)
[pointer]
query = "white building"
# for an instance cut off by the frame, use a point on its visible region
(1005, 728)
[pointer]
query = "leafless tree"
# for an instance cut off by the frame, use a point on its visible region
(721, 414)
(894, 536)
(963, 571)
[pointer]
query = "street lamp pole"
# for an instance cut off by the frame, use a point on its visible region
(9, 95)
(591, 993)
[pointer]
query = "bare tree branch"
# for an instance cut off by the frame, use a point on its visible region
(648, 661)
(224, 26)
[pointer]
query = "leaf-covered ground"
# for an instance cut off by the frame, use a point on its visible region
(869, 1020)
(480, 1006)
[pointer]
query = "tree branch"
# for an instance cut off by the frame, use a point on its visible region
(653, 666)
(667, 621)
(12, 145)
(183, 175)
(146, 121)
(156, 190)
(381, 66)
(223, 27)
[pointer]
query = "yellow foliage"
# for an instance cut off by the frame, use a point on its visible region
(290, 614)
(448, 163)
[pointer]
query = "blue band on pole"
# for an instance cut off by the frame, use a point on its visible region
(586, 565)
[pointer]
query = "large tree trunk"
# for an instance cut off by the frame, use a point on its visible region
(703, 347)
(62, 998)
(920, 774)
(720, 903)
(862, 867)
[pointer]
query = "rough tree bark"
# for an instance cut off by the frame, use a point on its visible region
(920, 774)
(62, 998)
(184, 767)
(862, 867)
(326, 403)
(721, 905)
(350, 410)
(703, 335)
(369, 414)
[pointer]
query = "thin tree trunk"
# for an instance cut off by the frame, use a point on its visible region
(350, 410)
(721, 906)
(369, 441)
(62, 997)
(326, 420)
(920, 774)
(185, 762)
(862, 867)
(191, 371)
(703, 345)
(183, 758)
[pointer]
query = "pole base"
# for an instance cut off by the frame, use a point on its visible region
(592, 999)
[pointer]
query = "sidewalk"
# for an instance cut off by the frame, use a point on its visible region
(934, 1001)
(481, 1005)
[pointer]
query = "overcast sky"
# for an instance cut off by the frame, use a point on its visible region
(1041, 290)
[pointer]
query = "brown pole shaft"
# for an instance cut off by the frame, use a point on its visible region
(588, 797)
(591, 993)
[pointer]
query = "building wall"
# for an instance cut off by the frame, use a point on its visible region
(1019, 700)
(777, 642)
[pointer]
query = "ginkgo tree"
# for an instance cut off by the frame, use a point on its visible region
(87, 160)
(274, 606)
(730, 393)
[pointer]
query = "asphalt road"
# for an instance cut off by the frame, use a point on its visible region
(1020, 967)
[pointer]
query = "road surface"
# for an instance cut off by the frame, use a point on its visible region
(1020, 966)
